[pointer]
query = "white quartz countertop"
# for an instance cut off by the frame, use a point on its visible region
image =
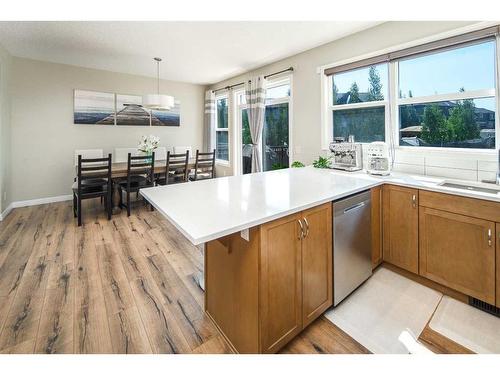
(210, 209)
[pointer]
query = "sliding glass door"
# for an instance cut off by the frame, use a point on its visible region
(275, 139)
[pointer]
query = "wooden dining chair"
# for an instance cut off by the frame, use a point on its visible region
(93, 180)
(140, 174)
(176, 170)
(204, 167)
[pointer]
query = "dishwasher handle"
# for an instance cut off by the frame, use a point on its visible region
(355, 207)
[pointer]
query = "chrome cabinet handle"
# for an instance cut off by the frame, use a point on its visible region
(301, 235)
(414, 201)
(489, 237)
(307, 227)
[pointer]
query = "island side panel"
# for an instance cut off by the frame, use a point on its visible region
(231, 288)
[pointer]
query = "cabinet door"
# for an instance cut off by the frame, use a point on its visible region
(376, 226)
(459, 252)
(400, 227)
(316, 262)
(280, 288)
(498, 263)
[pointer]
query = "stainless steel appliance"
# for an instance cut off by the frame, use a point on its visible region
(347, 156)
(352, 243)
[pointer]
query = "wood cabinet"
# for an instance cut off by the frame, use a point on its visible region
(498, 263)
(261, 293)
(280, 282)
(400, 227)
(458, 251)
(376, 194)
(231, 288)
(317, 262)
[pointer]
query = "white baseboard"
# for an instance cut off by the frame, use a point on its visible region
(34, 202)
(5, 212)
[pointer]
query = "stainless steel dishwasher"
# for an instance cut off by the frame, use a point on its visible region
(352, 243)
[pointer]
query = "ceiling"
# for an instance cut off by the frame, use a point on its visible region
(196, 52)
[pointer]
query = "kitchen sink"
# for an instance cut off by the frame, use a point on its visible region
(471, 187)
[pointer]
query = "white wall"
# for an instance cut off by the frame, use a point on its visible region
(43, 134)
(306, 127)
(5, 75)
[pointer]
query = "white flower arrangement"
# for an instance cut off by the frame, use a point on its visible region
(148, 143)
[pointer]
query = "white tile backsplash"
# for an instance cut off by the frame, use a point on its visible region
(476, 167)
(487, 166)
(486, 176)
(409, 158)
(454, 173)
(449, 162)
(409, 168)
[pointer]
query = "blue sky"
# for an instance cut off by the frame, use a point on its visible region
(471, 67)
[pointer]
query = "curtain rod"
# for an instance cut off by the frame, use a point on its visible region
(290, 69)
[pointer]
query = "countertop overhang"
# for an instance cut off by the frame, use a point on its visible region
(210, 209)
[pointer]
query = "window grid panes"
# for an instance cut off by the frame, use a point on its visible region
(461, 81)
(354, 97)
(221, 130)
(360, 85)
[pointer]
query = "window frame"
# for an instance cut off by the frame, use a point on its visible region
(238, 116)
(392, 127)
(373, 104)
(217, 129)
(472, 94)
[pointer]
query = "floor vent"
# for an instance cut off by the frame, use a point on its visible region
(486, 307)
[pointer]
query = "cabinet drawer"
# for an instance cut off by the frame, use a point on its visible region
(479, 208)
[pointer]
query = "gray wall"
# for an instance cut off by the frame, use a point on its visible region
(306, 126)
(44, 137)
(5, 75)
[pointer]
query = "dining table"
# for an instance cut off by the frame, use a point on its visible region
(119, 173)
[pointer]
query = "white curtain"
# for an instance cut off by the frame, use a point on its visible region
(255, 93)
(209, 123)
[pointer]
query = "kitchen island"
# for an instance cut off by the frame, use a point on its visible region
(268, 254)
(268, 248)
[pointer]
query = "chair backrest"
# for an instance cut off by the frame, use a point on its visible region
(93, 153)
(121, 153)
(141, 165)
(178, 164)
(92, 171)
(205, 163)
(182, 149)
(161, 153)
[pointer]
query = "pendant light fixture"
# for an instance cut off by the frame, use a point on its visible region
(157, 101)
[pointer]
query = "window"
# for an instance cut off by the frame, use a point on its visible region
(275, 141)
(222, 131)
(447, 99)
(359, 103)
(437, 95)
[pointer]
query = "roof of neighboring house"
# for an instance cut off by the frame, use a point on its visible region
(414, 128)
(345, 97)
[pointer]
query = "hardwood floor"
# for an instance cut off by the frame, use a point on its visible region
(122, 286)
(128, 285)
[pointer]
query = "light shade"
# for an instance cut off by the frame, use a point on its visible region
(159, 102)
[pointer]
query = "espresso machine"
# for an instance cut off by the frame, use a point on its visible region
(347, 156)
